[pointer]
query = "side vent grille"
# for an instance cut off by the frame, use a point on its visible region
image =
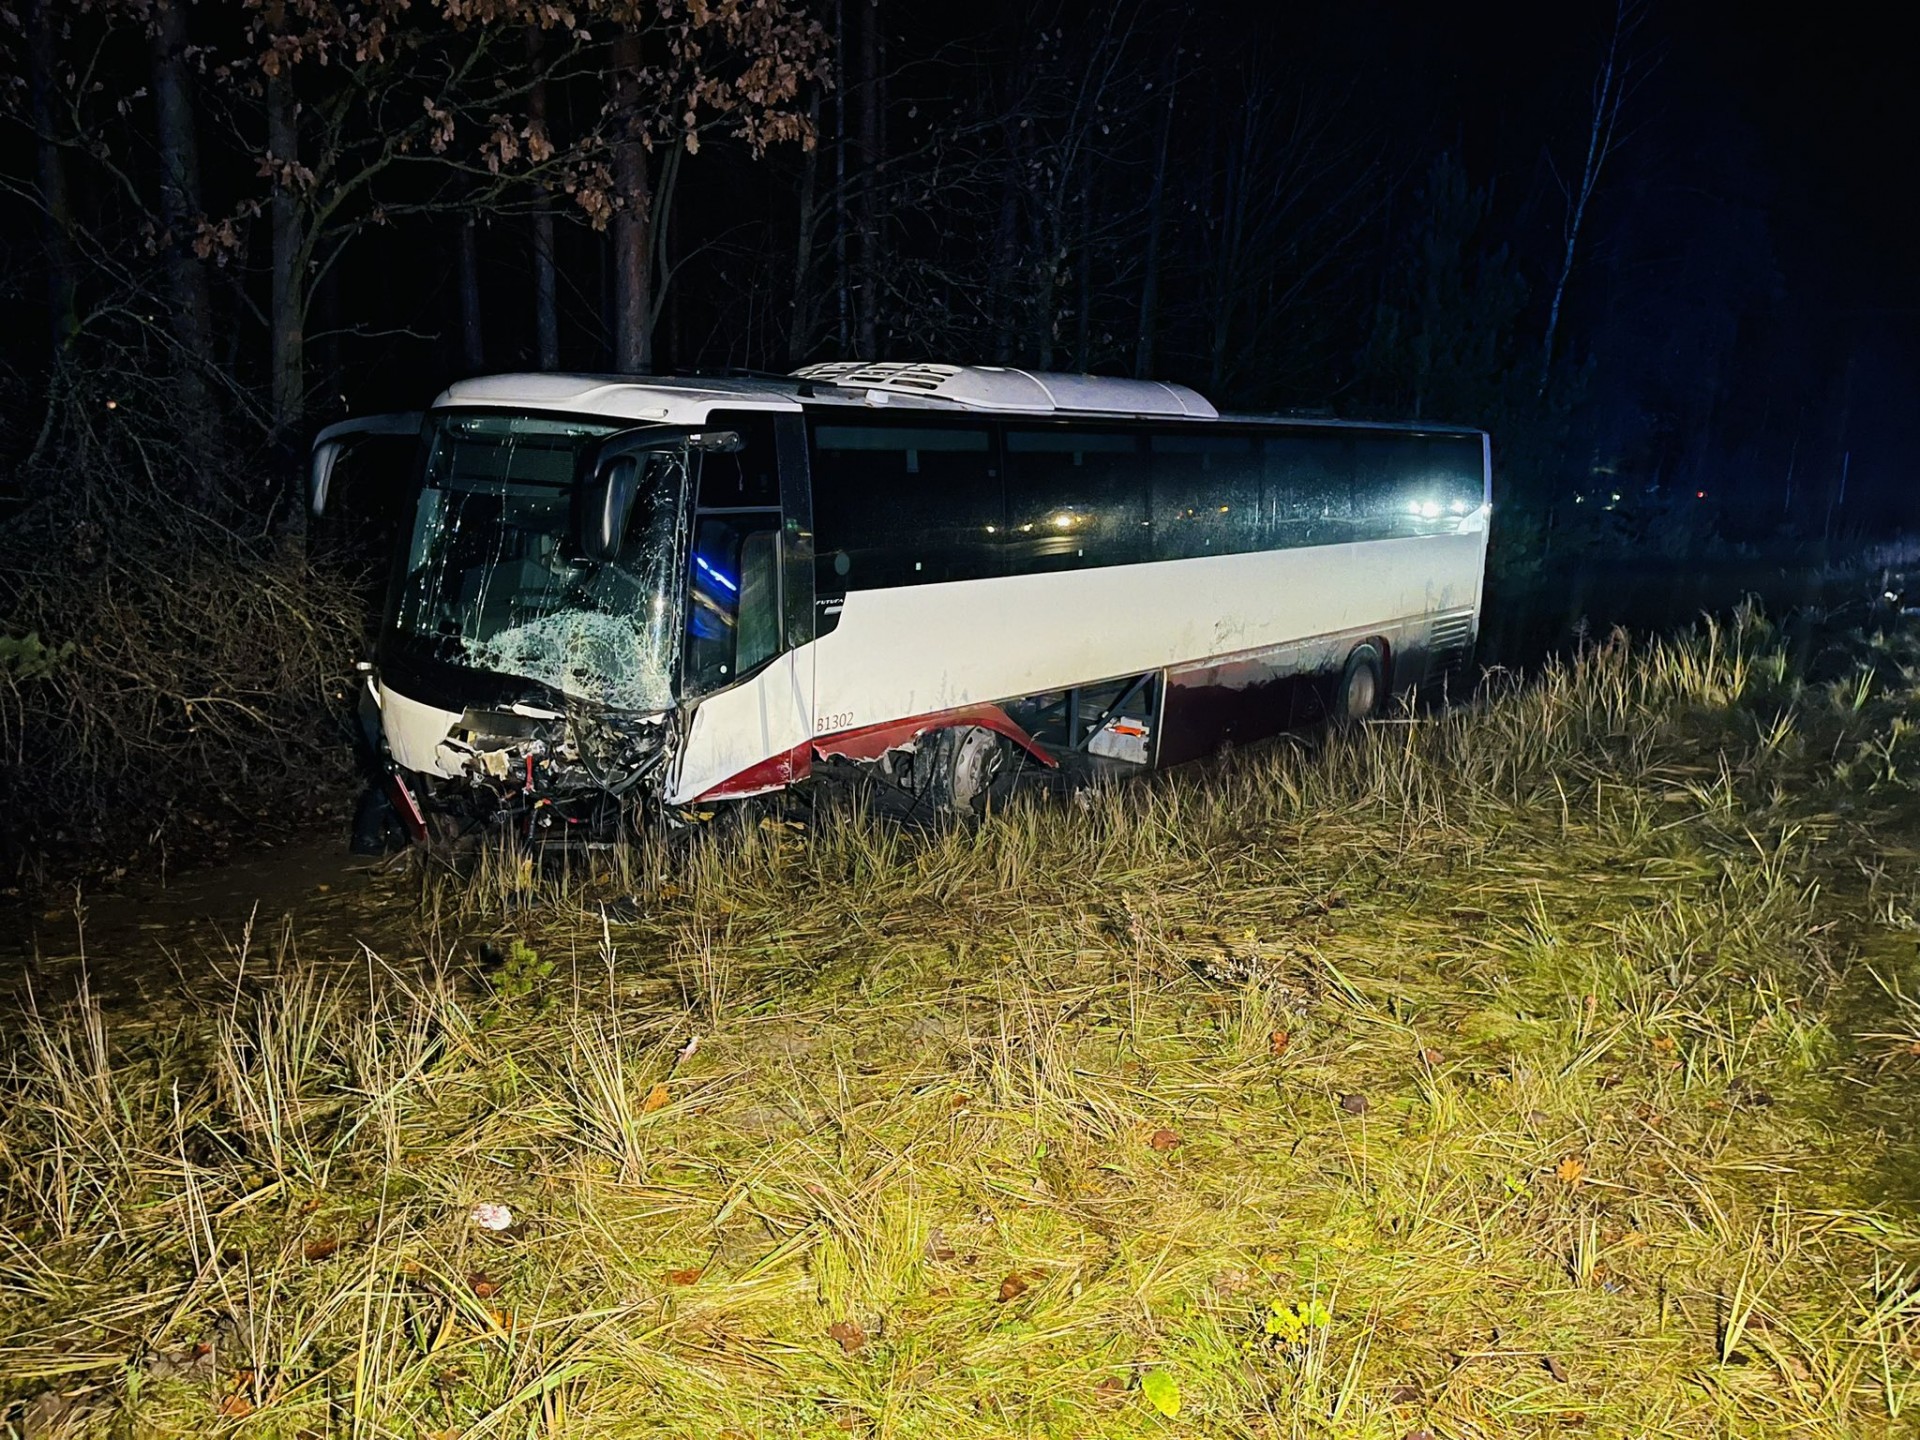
(1448, 643)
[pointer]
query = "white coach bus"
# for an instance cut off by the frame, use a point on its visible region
(695, 590)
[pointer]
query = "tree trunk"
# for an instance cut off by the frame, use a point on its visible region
(287, 304)
(1610, 85)
(1004, 267)
(1232, 217)
(868, 288)
(1156, 223)
(189, 300)
(800, 332)
(546, 293)
(632, 228)
(57, 208)
(842, 281)
(473, 353)
(546, 279)
(1083, 282)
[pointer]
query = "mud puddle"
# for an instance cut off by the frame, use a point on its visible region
(146, 941)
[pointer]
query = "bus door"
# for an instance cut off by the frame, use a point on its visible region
(746, 667)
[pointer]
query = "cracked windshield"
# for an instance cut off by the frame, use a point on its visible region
(495, 580)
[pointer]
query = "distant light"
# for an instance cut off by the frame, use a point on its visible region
(1223, 509)
(1458, 507)
(1699, 494)
(993, 529)
(1430, 510)
(1413, 507)
(1614, 496)
(1064, 521)
(113, 404)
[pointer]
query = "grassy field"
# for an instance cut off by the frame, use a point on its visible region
(1551, 1067)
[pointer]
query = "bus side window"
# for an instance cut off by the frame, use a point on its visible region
(1410, 485)
(1309, 482)
(733, 598)
(903, 504)
(1207, 496)
(747, 478)
(1075, 498)
(1459, 467)
(1387, 487)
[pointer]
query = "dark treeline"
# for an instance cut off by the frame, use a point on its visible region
(1639, 244)
(1568, 231)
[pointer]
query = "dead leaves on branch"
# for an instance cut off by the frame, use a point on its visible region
(454, 79)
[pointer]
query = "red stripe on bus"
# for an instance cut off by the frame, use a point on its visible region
(773, 773)
(870, 742)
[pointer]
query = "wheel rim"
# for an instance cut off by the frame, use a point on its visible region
(1361, 693)
(974, 757)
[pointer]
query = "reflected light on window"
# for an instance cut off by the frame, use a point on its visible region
(718, 578)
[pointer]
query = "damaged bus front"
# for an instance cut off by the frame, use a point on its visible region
(941, 578)
(529, 662)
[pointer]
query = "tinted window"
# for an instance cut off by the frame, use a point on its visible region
(1208, 496)
(1457, 467)
(749, 476)
(1309, 488)
(904, 505)
(1415, 484)
(1075, 498)
(733, 598)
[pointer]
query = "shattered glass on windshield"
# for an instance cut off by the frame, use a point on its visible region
(494, 580)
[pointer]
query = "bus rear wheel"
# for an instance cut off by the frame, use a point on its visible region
(1362, 687)
(966, 762)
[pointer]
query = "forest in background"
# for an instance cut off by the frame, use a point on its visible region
(233, 221)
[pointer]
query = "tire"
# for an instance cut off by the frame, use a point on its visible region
(1362, 689)
(966, 762)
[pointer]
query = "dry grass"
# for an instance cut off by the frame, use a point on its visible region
(1495, 1074)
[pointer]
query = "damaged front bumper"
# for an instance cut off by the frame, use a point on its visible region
(523, 762)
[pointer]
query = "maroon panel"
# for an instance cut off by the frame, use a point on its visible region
(1233, 702)
(774, 773)
(870, 742)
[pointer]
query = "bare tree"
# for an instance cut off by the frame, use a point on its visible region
(546, 278)
(1619, 72)
(633, 218)
(190, 303)
(56, 207)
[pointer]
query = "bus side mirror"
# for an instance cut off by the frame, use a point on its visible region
(331, 443)
(609, 499)
(320, 475)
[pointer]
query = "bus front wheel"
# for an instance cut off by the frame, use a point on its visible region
(1362, 687)
(967, 760)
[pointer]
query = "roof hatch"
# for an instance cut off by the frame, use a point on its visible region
(1024, 392)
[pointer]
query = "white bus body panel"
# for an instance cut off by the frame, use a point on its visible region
(415, 732)
(916, 651)
(735, 733)
(913, 651)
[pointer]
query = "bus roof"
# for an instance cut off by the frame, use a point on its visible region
(977, 389)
